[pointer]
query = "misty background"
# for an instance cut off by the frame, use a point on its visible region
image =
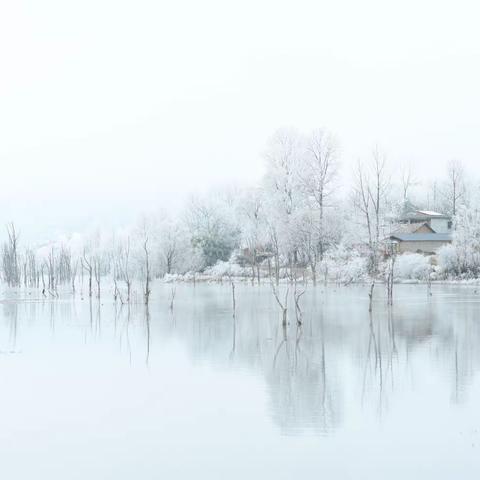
(109, 109)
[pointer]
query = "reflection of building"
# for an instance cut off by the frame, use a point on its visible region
(422, 231)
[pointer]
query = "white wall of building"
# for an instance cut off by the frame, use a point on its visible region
(440, 225)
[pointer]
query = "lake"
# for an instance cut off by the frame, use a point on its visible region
(93, 391)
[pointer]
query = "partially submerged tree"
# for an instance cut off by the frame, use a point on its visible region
(144, 235)
(283, 197)
(370, 192)
(10, 263)
(123, 266)
(87, 266)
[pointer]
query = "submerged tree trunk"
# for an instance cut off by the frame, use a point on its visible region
(283, 305)
(370, 296)
(147, 271)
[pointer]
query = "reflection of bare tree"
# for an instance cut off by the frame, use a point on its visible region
(234, 335)
(327, 403)
(457, 376)
(147, 327)
(127, 333)
(90, 311)
(300, 394)
(379, 373)
(312, 370)
(234, 319)
(283, 343)
(464, 358)
(298, 337)
(10, 310)
(52, 317)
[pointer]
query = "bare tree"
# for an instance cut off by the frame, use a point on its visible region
(170, 245)
(454, 190)
(87, 265)
(274, 246)
(74, 275)
(10, 263)
(170, 256)
(124, 266)
(147, 271)
(283, 305)
(253, 229)
(309, 243)
(63, 265)
(320, 169)
(43, 279)
(116, 290)
(434, 196)
(97, 271)
(408, 181)
(392, 256)
(172, 297)
(370, 191)
(31, 273)
(283, 158)
(145, 238)
(297, 294)
(51, 264)
(283, 190)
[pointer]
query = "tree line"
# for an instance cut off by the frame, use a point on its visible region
(302, 221)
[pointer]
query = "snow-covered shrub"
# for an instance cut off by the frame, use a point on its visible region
(412, 266)
(448, 260)
(224, 269)
(346, 265)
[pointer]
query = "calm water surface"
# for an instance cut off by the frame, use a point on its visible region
(90, 391)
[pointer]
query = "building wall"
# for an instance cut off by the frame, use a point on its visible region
(440, 225)
(423, 229)
(424, 247)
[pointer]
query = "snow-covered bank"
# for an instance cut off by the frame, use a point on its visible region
(409, 268)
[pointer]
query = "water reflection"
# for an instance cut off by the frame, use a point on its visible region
(340, 359)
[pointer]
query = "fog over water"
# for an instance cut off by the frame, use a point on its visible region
(98, 391)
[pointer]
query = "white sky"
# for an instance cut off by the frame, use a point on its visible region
(108, 108)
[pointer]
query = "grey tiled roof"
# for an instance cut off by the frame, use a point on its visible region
(406, 228)
(423, 237)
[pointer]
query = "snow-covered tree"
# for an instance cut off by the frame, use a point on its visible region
(318, 172)
(251, 211)
(370, 199)
(283, 194)
(462, 257)
(454, 191)
(213, 231)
